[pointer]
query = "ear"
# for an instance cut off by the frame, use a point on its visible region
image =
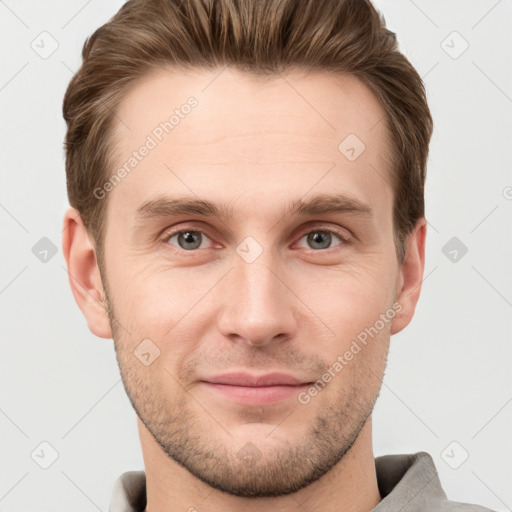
(84, 275)
(410, 277)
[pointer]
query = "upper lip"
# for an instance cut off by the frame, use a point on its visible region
(246, 379)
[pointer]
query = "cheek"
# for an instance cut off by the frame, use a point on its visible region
(348, 298)
(164, 305)
(151, 310)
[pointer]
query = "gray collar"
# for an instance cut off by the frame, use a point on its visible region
(407, 482)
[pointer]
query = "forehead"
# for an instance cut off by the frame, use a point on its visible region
(210, 131)
(231, 102)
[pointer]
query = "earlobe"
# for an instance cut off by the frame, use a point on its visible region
(83, 273)
(410, 277)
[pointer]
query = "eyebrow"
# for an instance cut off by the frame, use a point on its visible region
(188, 205)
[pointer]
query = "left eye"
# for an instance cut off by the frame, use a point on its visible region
(189, 240)
(322, 238)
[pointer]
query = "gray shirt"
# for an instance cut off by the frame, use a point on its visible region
(408, 483)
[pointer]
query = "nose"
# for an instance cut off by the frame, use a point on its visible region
(257, 305)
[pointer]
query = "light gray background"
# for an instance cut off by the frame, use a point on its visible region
(448, 377)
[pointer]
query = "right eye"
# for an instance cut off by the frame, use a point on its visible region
(187, 239)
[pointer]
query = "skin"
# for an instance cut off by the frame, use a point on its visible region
(256, 146)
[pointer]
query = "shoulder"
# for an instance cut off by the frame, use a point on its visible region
(411, 482)
(455, 506)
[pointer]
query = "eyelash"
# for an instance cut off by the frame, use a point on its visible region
(342, 236)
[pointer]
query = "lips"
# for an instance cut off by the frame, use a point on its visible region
(248, 380)
(254, 390)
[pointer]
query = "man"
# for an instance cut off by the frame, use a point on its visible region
(246, 181)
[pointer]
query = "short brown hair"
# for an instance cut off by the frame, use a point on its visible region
(261, 38)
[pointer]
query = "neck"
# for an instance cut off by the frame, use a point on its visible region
(351, 485)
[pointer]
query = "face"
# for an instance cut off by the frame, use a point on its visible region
(284, 263)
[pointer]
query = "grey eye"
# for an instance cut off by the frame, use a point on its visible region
(188, 240)
(320, 239)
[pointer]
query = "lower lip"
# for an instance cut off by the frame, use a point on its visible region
(260, 395)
